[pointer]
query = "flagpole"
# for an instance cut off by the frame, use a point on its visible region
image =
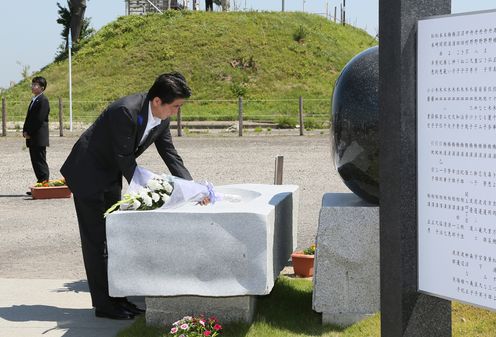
(70, 79)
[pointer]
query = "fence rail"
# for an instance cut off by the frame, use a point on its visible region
(301, 113)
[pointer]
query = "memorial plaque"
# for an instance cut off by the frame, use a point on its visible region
(456, 129)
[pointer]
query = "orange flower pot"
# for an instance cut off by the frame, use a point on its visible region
(302, 264)
(51, 192)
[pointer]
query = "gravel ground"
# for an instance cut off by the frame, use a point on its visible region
(40, 239)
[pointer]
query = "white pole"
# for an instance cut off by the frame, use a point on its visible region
(70, 79)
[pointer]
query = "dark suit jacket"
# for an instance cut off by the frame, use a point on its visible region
(36, 123)
(108, 149)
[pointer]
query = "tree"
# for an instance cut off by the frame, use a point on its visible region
(25, 73)
(65, 19)
(78, 7)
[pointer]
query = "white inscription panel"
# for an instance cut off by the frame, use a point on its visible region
(457, 157)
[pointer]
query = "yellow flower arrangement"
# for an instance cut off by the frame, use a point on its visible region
(51, 183)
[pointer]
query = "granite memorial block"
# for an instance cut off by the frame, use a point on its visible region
(346, 281)
(228, 249)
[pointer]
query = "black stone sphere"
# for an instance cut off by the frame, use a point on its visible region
(355, 125)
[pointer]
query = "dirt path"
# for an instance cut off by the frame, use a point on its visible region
(40, 239)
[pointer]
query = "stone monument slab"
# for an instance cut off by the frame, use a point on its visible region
(228, 250)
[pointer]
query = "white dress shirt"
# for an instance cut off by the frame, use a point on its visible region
(33, 100)
(150, 124)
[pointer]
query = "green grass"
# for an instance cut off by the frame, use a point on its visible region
(287, 312)
(223, 55)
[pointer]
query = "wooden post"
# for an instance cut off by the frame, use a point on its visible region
(330, 112)
(61, 118)
(344, 12)
(4, 118)
(240, 115)
(278, 170)
(179, 124)
(335, 12)
(302, 125)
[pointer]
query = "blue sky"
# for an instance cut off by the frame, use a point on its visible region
(30, 35)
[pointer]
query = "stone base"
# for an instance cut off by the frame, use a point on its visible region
(342, 319)
(167, 310)
(346, 280)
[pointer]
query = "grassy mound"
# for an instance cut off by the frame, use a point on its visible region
(270, 59)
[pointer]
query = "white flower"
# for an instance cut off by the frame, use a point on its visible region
(147, 200)
(165, 197)
(143, 193)
(167, 187)
(136, 204)
(154, 184)
(155, 197)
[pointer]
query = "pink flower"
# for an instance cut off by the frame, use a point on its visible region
(174, 330)
(207, 333)
(217, 327)
(202, 322)
(184, 326)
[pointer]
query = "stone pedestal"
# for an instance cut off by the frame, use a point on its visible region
(194, 259)
(166, 310)
(346, 280)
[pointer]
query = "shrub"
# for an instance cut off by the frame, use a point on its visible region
(286, 122)
(300, 34)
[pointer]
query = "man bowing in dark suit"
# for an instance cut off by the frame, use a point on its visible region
(35, 128)
(104, 153)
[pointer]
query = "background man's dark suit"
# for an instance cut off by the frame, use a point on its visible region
(36, 126)
(103, 154)
(209, 5)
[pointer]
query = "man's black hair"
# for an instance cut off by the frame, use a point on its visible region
(41, 81)
(169, 87)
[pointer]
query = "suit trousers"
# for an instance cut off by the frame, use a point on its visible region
(38, 160)
(89, 210)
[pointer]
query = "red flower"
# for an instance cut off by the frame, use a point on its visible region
(207, 333)
(217, 327)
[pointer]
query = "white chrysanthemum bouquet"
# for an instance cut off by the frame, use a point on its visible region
(153, 195)
(149, 191)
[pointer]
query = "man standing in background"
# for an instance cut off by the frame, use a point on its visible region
(35, 129)
(209, 5)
